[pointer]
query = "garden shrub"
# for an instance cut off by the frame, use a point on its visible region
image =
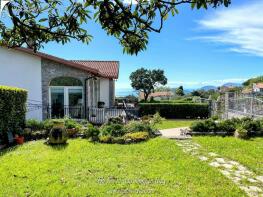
(13, 108)
(37, 135)
(136, 137)
(72, 127)
(115, 120)
(241, 133)
(34, 125)
(105, 139)
(251, 125)
(198, 126)
(48, 124)
(228, 126)
(92, 132)
(118, 140)
(175, 110)
(114, 130)
(137, 126)
(71, 124)
(204, 126)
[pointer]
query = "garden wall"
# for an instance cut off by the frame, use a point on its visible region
(175, 110)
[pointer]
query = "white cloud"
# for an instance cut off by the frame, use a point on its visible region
(241, 28)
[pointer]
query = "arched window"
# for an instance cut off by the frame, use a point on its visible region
(65, 81)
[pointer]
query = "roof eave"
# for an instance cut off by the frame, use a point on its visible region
(59, 60)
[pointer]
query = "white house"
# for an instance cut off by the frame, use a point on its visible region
(257, 87)
(58, 87)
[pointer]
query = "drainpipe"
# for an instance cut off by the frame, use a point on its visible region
(85, 98)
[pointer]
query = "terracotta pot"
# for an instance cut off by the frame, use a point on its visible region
(20, 140)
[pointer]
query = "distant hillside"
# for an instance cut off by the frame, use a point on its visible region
(253, 80)
(232, 85)
(206, 88)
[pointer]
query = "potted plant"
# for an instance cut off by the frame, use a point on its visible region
(19, 137)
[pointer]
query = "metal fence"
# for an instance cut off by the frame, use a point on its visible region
(74, 112)
(93, 114)
(238, 105)
(101, 115)
(246, 105)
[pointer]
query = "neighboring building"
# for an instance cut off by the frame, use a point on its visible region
(58, 87)
(157, 96)
(257, 87)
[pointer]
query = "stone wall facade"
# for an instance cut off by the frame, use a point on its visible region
(51, 70)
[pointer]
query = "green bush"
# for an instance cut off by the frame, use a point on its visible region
(175, 110)
(118, 140)
(138, 126)
(105, 139)
(92, 132)
(34, 125)
(13, 108)
(251, 125)
(115, 120)
(71, 124)
(229, 126)
(37, 135)
(136, 137)
(114, 130)
(241, 133)
(48, 124)
(204, 126)
(198, 126)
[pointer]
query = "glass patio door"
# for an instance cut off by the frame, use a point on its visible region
(57, 102)
(66, 101)
(75, 102)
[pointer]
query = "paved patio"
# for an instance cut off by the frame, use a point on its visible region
(175, 133)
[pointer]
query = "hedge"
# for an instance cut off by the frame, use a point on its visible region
(12, 108)
(175, 110)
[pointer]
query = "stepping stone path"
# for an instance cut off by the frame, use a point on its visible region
(244, 178)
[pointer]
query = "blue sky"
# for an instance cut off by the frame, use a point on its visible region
(195, 48)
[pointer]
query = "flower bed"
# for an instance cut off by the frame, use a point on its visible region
(112, 132)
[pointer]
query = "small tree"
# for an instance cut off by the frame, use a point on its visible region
(179, 91)
(146, 80)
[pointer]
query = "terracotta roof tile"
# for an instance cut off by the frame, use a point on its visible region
(108, 69)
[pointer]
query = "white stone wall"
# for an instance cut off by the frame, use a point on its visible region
(22, 70)
(104, 91)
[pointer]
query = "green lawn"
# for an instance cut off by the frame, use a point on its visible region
(168, 124)
(154, 168)
(247, 152)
